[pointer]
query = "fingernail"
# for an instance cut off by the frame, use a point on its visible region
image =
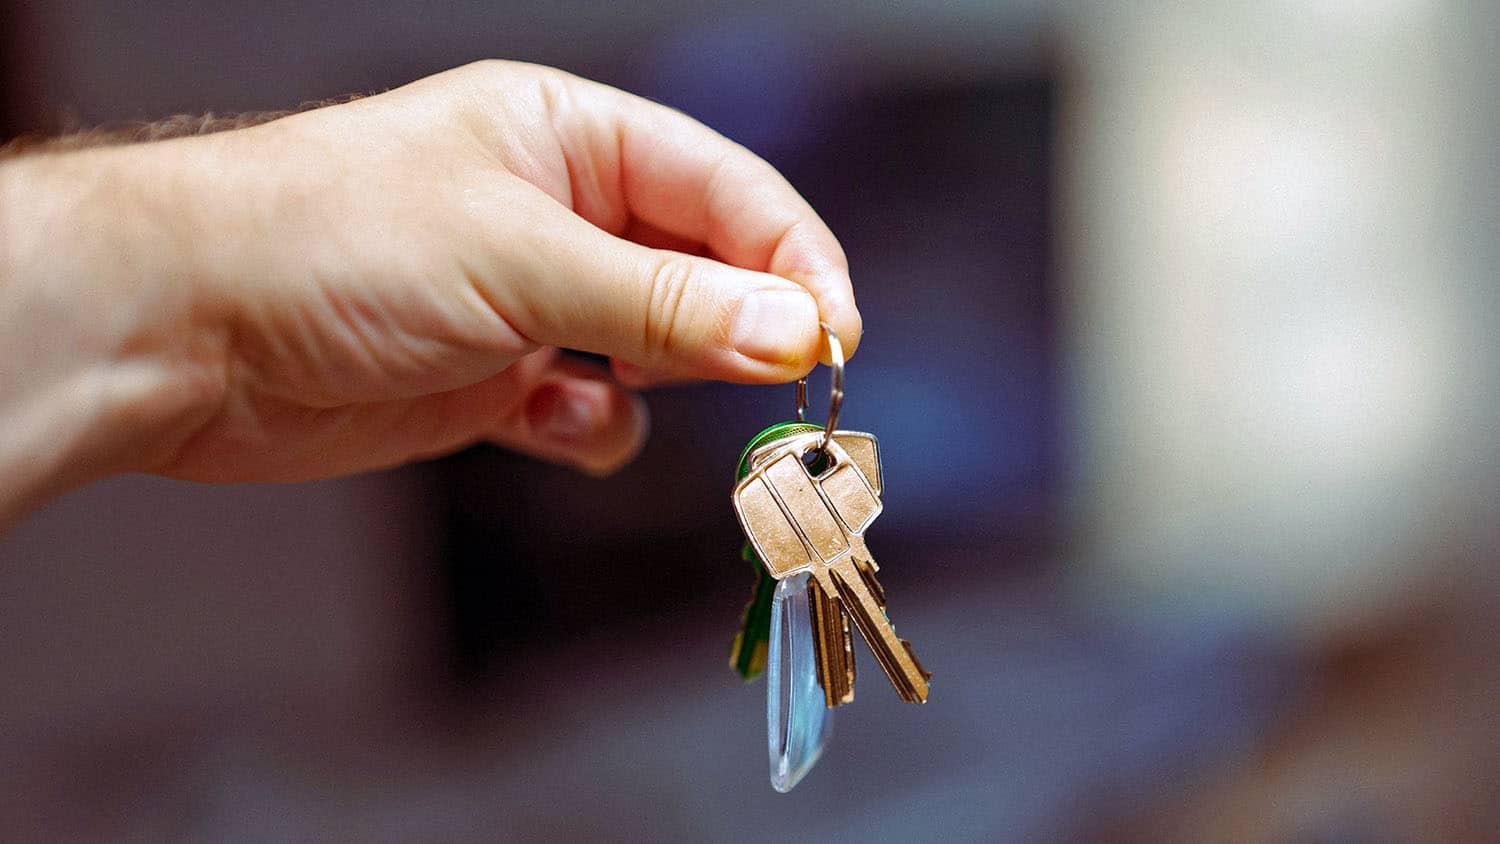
(634, 376)
(626, 371)
(640, 429)
(772, 325)
(567, 411)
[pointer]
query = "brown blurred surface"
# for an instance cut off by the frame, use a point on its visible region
(1395, 739)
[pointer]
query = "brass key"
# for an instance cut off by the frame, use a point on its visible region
(833, 642)
(833, 648)
(801, 522)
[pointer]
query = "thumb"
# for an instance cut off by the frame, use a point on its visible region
(665, 311)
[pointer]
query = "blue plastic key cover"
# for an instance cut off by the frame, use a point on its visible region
(798, 722)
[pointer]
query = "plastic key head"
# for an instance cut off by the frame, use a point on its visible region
(797, 721)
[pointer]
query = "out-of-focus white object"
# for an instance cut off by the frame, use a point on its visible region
(1281, 236)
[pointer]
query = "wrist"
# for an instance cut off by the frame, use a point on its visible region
(111, 362)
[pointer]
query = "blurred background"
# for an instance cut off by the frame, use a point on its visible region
(1181, 348)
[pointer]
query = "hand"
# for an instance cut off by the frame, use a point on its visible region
(352, 287)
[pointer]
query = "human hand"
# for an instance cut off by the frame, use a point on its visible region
(356, 286)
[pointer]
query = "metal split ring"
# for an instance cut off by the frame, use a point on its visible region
(835, 389)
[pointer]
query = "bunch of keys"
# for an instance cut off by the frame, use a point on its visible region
(805, 495)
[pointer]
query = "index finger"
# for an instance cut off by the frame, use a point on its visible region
(630, 160)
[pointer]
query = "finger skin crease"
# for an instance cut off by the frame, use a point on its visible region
(582, 157)
(711, 187)
(627, 213)
(553, 95)
(780, 241)
(476, 285)
(669, 285)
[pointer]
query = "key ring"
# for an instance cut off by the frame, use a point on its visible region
(835, 388)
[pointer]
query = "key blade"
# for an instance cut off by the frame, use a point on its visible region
(867, 574)
(833, 648)
(844, 579)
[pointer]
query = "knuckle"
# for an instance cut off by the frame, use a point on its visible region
(497, 68)
(505, 77)
(490, 73)
(553, 95)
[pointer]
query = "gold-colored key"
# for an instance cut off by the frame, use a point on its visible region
(799, 521)
(833, 648)
(833, 641)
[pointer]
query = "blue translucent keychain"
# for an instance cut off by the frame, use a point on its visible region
(798, 721)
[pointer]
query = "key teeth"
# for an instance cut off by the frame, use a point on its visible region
(918, 694)
(906, 686)
(833, 654)
(866, 569)
(926, 675)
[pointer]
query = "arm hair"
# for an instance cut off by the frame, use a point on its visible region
(140, 132)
